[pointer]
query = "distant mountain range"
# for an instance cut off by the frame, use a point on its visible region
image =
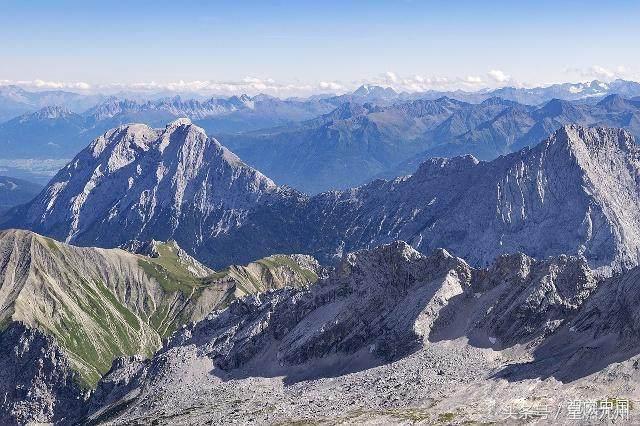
(216, 115)
(586, 92)
(574, 193)
(322, 142)
(15, 101)
(358, 142)
(58, 132)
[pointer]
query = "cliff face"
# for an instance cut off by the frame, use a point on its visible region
(575, 193)
(37, 381)
(138, 183)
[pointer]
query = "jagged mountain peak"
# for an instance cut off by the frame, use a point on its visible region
(47, 113)
(373, 91)
(575, 193)
(141, 181)
(179, 122)
(394, 252)
(122, 139)
(615, 102)
(603, 140)
(441, 166)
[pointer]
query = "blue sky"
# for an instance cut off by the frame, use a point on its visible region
(316, 45)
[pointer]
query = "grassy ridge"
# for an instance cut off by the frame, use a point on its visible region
(103, 304)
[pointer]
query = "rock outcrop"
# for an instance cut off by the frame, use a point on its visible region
(67, 312)
(378, 310)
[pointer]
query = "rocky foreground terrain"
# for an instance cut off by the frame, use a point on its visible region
(393, 336)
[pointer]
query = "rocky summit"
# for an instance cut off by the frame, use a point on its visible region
(575, 193)
(135, 182)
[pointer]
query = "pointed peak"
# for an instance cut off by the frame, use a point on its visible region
(613, 101)
(373, 90)
(594, 139)
(48, 113)
(179, 122)
(440, 166)
(395, 252)
(184, 130)
(362, 90)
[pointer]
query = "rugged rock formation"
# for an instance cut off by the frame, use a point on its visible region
(138, 183)
(66, 312)
(37, 381)
(378, 309)
(575, 193)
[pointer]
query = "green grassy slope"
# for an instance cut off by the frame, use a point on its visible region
(101, 304)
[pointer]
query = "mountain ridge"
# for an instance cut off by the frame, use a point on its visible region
(14, 192)
(573, 193)
(382, 321)
(358, 142)
(67, 312)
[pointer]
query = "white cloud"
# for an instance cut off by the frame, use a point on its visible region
(602, 72)
(598, 72)
(253, 85)
(330, 85)
(47, 85)
(498, 76)
(391, 76)
(471, 79)
(249, 85)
